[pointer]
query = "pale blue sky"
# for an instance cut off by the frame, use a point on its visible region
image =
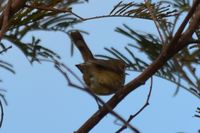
(40, 101)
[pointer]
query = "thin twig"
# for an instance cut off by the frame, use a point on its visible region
(54, 10)
(2, 114)
(1, 107)
(48, 8)
(70, 11)
(4, 99)
(141, 109)
(4, 50)
(63, 65)
(93, 95)
(154, 20)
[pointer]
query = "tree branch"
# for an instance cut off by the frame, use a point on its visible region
(12, 7)
(182, 41)
(58, 67)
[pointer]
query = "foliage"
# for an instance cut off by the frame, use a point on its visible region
(174, 70)
(58, 15)
(165, 13)
(30, 19)
(180, 66)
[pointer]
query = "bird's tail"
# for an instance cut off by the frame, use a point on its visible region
(81, 45)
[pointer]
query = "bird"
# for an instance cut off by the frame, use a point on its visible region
(102, 77)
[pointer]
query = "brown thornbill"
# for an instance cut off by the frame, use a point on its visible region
(102, 77)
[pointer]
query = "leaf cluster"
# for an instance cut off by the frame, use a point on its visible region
(139, 10)
(30, 19)
(182, 69)
(37, 16)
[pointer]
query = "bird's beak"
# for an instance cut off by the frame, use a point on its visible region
(80, 67)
